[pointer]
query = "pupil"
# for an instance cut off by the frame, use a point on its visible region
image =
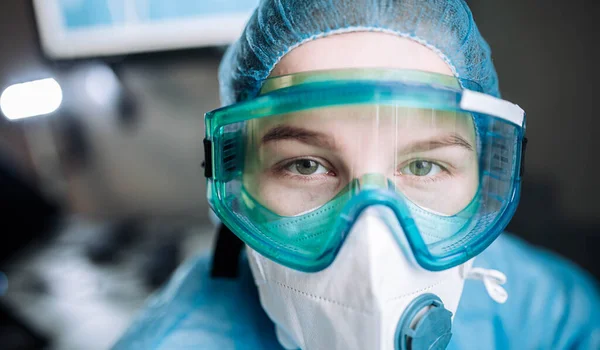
(421, 168)
(306, 166)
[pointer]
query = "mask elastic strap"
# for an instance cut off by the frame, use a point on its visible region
(226, 254)
(492, 280)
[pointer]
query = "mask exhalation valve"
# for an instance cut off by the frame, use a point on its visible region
(425, 324)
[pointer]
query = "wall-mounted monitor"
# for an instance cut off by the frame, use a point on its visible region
(93, 28)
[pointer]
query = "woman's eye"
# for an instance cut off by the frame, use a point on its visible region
(307, 167)
(421, 168)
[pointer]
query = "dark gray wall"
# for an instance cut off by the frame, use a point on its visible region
(547, 58)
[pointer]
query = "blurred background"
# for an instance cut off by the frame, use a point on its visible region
(102, 193)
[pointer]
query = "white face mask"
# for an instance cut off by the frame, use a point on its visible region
(358, 301)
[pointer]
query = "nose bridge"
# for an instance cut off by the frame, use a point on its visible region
(370, 154)
(375, 189)
(376, 194)
(388, 220)
(382, 237)
(373, 181)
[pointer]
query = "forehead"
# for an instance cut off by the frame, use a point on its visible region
(361, 50)
(364, 119)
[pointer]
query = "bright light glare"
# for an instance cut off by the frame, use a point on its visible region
(31, 99)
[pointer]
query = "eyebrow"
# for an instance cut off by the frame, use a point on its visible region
(448, 140)
(309, 137)
(318, 139)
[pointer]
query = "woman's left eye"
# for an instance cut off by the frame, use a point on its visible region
(421, 168)
(306, 167)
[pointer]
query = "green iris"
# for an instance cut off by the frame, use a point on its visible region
(306, 166)
(420, 167)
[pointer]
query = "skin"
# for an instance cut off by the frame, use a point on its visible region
(300, 161)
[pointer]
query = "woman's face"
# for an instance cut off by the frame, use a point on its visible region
(298, 162)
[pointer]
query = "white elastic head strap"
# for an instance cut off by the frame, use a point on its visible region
(486, 104)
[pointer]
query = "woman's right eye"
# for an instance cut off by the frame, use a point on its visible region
(306, 167)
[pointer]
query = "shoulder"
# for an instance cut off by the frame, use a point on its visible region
(195, 311)
(534, 269)
(165, 309)
(552, 303)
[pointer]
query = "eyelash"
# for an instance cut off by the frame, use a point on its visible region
(428, 179)
(425, 179)
(280, 169)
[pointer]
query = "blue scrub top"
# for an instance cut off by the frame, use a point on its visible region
(552, 304)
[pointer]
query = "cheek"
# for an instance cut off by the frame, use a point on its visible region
(449, 196)
(286, 200)
(276, 200)
(462, 191)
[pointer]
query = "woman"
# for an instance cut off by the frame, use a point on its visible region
(367, 162)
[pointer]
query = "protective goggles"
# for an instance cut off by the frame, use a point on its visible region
(290, 171)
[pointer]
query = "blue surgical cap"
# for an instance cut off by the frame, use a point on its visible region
(278, 26)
